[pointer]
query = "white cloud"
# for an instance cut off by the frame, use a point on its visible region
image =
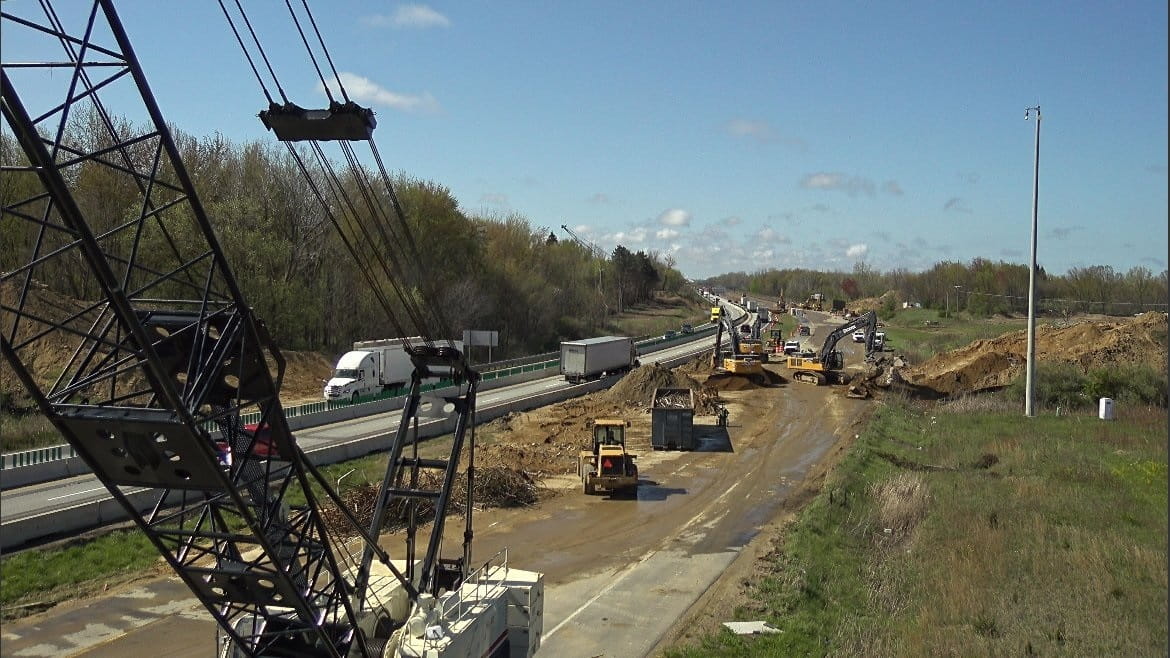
(493, 197)
(730, 221)
(675, 217)
(757, 130)
(851, 185)
(667, 233)
(409, 16)
(769, 234)
(364, 90)
(857, 251)
(598, 198)
(637, 235)
(892, 187)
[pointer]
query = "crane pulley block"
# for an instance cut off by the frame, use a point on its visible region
(341, 122)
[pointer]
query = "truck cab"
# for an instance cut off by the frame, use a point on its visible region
(356, 375)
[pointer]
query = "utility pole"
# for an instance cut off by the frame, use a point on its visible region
(1030, 367)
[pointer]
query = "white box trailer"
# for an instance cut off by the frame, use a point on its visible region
(589, 358)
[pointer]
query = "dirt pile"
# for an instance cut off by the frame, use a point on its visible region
(875, 303)
(996, 362)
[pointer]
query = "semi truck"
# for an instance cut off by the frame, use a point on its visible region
(672, 419)
(372, 367)
(582, 360)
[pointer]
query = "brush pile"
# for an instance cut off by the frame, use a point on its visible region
(494, 487)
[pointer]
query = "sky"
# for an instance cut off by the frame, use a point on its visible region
(731, 136)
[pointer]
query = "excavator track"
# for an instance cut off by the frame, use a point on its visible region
(809, 377)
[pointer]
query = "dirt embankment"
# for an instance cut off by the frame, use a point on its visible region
(996, 362)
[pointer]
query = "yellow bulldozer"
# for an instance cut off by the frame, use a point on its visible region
(608, 465)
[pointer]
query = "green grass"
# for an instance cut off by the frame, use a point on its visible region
(669, 312)
(975, 533)
(54, 574)
(907, 332)
(26, 431)
(47, 575)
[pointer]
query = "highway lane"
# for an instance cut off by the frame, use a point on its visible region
(50, 497)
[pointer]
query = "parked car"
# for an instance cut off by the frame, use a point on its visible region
(879, 341)
(791, 346)
(688, 329)
(804, 330)
(859, 336)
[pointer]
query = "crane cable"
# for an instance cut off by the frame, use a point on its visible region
(392, 231)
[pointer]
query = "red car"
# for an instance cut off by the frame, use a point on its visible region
(262, 447)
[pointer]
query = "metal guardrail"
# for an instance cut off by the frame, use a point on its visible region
(510, 368)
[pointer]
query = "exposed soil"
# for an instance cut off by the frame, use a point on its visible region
(996, 362)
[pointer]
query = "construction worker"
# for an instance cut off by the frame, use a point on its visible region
(722, 415)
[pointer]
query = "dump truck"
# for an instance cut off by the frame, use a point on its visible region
(587, 359)
(608, 465)
(672, 419)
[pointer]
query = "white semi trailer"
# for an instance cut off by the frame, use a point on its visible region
(589, 358)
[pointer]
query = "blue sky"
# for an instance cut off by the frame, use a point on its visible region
(735, 136)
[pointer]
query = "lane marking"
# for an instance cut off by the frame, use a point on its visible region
(630, 569)
(77, 493)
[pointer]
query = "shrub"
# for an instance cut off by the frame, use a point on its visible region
(1064, 385)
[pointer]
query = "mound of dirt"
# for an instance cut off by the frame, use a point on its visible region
(699, 365)
(875, 303)
(733, 382)
(636, 389)
(996, 362)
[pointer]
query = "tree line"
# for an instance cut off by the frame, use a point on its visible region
(487, 272)
(980, 287)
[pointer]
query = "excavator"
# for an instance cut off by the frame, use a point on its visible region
(827, 363)
(738, 361)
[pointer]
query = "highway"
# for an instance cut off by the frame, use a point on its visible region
(49, 498)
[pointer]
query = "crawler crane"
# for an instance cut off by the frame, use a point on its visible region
(168, 358)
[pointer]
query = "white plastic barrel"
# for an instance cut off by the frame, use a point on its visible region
(1105, 409)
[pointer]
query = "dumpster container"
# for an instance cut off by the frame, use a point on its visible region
(672, 419)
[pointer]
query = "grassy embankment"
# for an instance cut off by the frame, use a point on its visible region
(37, 578)
(919, 334)
(666, 312)
(32, 580)
(967, 529)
